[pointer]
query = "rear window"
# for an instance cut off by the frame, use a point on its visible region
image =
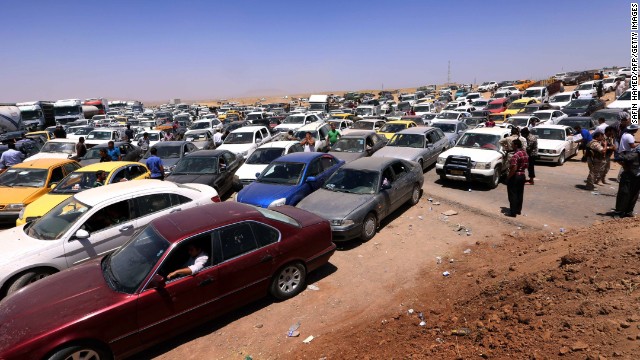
(277, 216)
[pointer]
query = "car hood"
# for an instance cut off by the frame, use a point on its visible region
(43, 204)
(19, 195)
(550, 144)
(262, 195)
(48, 155)
(574, 111)
(407, 153)
(71, 296)
(322, 203)
(620, 104)
(481, 155)
(16, 246)
(236, 148)
(206, 179)
(248, 171)
(347, 156)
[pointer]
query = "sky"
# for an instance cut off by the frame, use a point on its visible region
(158, 50)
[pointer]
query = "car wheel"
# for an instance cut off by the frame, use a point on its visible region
(84, 352)
(27, 278)
(289, 281)
(561, 158)
(415, 194)
(495, 180)
(443, 177)
(369, 226)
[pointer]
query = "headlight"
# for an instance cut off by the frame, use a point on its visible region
(278, 202)
(441, 160)
(482, 165)
(21, 214)
(342, 222)
(15, 207)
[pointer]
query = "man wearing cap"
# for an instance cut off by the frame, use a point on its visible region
(596, 149)
(628, 140)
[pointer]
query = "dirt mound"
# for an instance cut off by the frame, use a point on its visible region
(533, 296)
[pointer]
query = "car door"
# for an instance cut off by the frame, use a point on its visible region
(572, 146)
(389, 189)
(431, 151)
(402, 180)
(314, 169)
(109, 226)
(152, 206)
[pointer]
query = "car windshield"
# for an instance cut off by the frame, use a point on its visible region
(532, 93)
(54, 224)
(152, 136)
(99, 135)
(196, 165)
(239, 138)
(518, 121)
(363, 125)
(364, 111)
(24, 177)
(58, 147)
(66, 110)
(578, 104)
(448, 128)
(83, 131)
(30, 114)
(472, 122)
(448, 115)
(548, 134)
(609, 117)
(166, 152)
(407, 140)
(429, 116)
(478, 140)
(264, 156)
(517, 105)
(200, 125)
(585, 124)
(542, 115)
(350, 145)
(421, 109)
(196, 136)
(560, 98)
(126, 268)
(392, 128)
(76, 182)
(93, 153)
(354, 181)
(286, 173)
(585, 87)
(625, 96)
(294, 120)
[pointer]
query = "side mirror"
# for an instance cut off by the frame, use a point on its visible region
(157, 282)
(81, 234)
(53, 185)
(257, 175)
(386, 186)
(258, 141)
(311, 179)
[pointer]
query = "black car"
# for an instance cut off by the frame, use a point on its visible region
(130, 152)
(585, 122)
(575, 78)
(610, 115)
(216, 168)
(234, 125)
(171, 152)
(481, 114)
(583, 107)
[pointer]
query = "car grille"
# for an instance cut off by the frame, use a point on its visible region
(458, 161)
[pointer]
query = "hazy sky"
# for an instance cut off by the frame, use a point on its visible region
(156, 50)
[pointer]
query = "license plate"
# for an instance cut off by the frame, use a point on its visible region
(456, 172)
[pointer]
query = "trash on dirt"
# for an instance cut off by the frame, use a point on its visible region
(468, 232)
(444, 218)
(469, 190)
(420, 217)
(595, 193)
(468, 251)
(410, 311)
(439, 340)
(293, 330)
(423, 323)
(461, 332)
(450, 213)
(562, 230)
(248, 357)
(446, 273)
(308, 340)
(436, 203)
(438, 260)
(545, 225)
(430, 208)
(451, 261)
(313, 287)
(430, 199)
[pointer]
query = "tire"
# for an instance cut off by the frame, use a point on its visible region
(85, 352)
(289, 281)
(443, 178)
(497, 174)
(561, 159)
(26, 279)
(416, 192)
(369, 227)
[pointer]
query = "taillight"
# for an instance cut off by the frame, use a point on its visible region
(216, 198)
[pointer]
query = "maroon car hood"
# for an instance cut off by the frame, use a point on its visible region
(49, 304)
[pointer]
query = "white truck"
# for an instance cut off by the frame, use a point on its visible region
(319, 104)
(37, 115)
(368, 110)
(69, 110)
(10, 118)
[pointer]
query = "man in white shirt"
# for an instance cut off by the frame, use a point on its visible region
(602, 125)
(197, 260)
(628, 140)
(217, 138)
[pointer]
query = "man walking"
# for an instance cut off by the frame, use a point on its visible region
(333, 135)
(596, 149)
(532, 152)
(584, 139)
(155, 165)
(516, 178)
(629, 184)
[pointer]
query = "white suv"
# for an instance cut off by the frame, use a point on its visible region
(319, 130)
(245, 140)
(477, 156)
(295, 121)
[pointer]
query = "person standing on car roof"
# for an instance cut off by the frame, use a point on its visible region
(128, 133)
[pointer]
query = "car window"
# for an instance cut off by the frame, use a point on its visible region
(228, 157)
(388, 176)
(135, 171)
(327, 162)
(236, 240)
(315, 168)
(399, 168)
(108, 216)
(258, 135)
(118, 176)
(191, 148)
(568, 131)
(71, 167)
(432, 137)
(56, 175)
(177, 199)
(265, 235)
(179, 256)
(149, 204)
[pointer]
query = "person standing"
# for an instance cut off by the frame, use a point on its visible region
(596, 149)
(609, 138)
(155, 165)
(629, 183)
(628, 140)
(59, 132)
(585, 137)
(602, 125)
(104, 157)
(309, 143)
(516, 179)
(81, 149)
(113, 151)
(599, 88)
(217, 138)
(532, 152)
(144, 142)
(620, 88)
(11, 156)
(128, 133)
(333, 135)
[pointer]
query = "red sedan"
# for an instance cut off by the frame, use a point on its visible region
(181, 270)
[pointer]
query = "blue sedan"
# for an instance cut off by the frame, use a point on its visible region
(288, 179)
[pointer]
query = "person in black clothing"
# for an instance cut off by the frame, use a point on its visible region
(59, 132)
(81, 149)
(104, 157)
(629, 184)
(599, 88)
(128, 133)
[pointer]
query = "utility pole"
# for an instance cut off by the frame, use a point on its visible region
(448, 71)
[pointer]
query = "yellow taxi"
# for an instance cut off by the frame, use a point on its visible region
(230, 112)
(499, 118)
(391, 127)
(82, 179)
(523, 84)
(345, 116)
(24, 183)
(47, 135)
(518, 105)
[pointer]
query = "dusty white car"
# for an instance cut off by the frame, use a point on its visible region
(90, 224)
(555, 143)
(263, 156)
(562, 99)
(477, 157)
(550, 117)
(245, 140)
(587, 89)
(56, 148)
(622, 102)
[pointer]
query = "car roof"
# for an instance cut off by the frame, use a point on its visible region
(562, 127)
(444, 121)
(95, 196)
(312, 126)
(371, 120)
(369, 163)
(43, 163)
(358, 133)
(421, 130)
(248, 129)
(490, 130)
(207, 153)
(107, 166)
(178, 225)
(171, 143)
(304, 157)
(523, 100)
(546, 111)
(403, 122)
